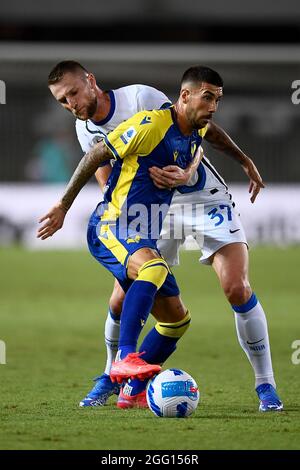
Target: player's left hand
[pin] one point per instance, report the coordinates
(169, 177)
(55, 220)
(256, 182)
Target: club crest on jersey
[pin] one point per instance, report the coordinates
(175, 155)
(146, 120)
(128, 135)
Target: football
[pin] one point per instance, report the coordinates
(172, 394)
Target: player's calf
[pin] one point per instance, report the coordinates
(138, 303)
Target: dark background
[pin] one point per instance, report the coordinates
(254, 45)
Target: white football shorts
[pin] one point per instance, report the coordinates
(212, 220)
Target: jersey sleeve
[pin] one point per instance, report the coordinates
(86, 143)
(150, 98)
(131, 137)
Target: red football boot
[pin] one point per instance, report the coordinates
(132, 367)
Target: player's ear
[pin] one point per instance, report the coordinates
(185, 94)
(92, 80)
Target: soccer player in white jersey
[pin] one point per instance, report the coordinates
(224, 245)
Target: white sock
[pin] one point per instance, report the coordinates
(252, 332)
(111, 335)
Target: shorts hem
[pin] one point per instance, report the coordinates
(207, 261)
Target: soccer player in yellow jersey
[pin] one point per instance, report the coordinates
(159, 138)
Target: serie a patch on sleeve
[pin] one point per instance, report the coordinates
(128, 135)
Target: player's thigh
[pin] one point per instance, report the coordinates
(231, 264)
(222, 226)
(138, 258)
(168, 309)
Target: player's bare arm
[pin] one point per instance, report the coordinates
(221, 141)
(172, 176)
(102, 174)
(85, 169)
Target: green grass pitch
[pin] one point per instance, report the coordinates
(52, 308)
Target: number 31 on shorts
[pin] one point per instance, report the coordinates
(216, 214)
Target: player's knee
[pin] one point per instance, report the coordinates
(116, 300)
(115, 306)
(175, 329)
(238, 293)
(155, 271)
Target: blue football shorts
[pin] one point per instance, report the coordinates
(113, 252)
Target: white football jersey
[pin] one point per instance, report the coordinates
(125, 102)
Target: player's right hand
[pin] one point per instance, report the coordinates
(256, 182)
(169, 177)
(55, 220)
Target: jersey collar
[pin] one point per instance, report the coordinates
(195, 132)
(111, 111)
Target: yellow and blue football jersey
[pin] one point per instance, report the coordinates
(131, 215)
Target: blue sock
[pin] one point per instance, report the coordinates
(137, 385)
(136, 308)
(157, 347)
(246, 306)
(157, 350)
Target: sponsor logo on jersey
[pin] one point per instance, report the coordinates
(128, 135)
(233, 231)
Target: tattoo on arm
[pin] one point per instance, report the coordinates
(85, 169)
(221, 141)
